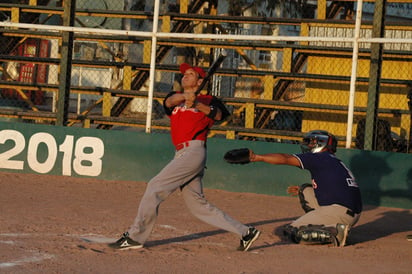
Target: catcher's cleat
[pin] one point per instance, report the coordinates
(342, 234)
(125, 243)
(248, 239)
(409, 237)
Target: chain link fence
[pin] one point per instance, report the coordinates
(289, 69)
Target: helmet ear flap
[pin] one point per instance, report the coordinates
(332, 143)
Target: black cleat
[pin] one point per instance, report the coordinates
(248, 239)
(125, 243)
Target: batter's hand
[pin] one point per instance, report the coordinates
(190, 98)
(293, 190)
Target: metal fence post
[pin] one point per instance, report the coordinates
(65, 64)
(375, 76)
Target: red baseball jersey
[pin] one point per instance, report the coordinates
(189, 123)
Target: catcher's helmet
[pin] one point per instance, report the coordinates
(316, 140)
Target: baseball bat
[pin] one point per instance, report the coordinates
(212, 69)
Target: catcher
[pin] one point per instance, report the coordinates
(332, 202)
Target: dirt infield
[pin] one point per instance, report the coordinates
(55, 224)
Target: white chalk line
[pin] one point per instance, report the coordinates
(36, 256)
(31, 259)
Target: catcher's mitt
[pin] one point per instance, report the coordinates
(238, 156)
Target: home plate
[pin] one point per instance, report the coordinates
(96, 243)
(92, 238)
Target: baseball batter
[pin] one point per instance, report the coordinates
(332, 202)
(191, 117)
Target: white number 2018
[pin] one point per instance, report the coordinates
(88, 153)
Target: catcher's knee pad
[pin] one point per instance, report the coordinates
(290, 233)
(315, 234)
(303, 202)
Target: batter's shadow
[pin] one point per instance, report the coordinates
(390, 222)
(193, 236)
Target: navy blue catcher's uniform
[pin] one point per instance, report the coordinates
(334, 196)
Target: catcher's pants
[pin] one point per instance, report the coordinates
(328, 216)
(185, 171)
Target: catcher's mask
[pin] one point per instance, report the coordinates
(317, 140)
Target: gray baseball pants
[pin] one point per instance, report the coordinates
(185, 171)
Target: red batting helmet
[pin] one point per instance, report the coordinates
(185, 66)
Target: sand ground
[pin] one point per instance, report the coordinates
(56, 224)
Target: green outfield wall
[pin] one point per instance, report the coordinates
(385, 178)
